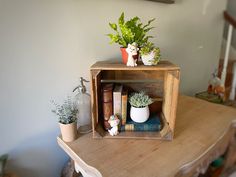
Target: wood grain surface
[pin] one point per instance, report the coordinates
(203, 131)
(115, 65)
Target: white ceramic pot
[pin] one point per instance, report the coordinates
(139, 115)
(148, 59)
(69, 131)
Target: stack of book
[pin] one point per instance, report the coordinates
(115, 99)
(153, 124)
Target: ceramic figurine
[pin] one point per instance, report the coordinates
(132, 49)
(215, 86)
(114, 122)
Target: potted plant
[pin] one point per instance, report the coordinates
(3, 161)
(67, 119)
(128, 32)
(139, 111)
(150, 54)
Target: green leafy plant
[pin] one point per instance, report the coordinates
(66, 112)
(3, 161)
(127, 32)
(140, 100)
(148, 48)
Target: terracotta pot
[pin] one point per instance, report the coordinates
(69, 131)
(125, 55)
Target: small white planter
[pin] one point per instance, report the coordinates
(148, 59)
(139, 115)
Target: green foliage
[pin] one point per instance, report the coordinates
(148, 48)
(3, 161)
(127, 32)
(66, 112)
(140, 100)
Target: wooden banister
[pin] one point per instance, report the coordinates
(230, 19)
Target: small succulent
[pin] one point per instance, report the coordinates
(66, 112)
(148, 48)
(140, 100)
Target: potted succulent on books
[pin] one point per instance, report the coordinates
(139, 111)
(150, 54)
(129, 32)
(67, 119)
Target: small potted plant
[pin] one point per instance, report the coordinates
(67, 119)
(129, 32)
(139, 111)
(150, 54)
(3, 161)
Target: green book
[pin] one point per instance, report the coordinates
(152, 124)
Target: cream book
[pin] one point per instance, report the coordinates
(117, 104)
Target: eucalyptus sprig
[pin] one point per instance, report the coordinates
(133, 30)
(140, 100)
(66, 112)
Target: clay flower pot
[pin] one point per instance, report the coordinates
(69, 131)
(125, 55)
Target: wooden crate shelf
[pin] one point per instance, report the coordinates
(161, 82)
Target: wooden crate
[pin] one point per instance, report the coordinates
(161, 82)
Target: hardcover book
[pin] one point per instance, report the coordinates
(152, 124)
(117, 100)
(124, 100)
(107, 103)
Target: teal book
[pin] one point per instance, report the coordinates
(152, 124)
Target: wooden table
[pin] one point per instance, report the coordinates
(204, 131)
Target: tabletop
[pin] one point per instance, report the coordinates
(203, 130)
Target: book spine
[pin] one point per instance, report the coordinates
(142, 128)
(107, 104)
(124, 100)
(117, 103)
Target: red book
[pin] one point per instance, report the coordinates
(107, 104)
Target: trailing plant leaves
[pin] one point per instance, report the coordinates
(130, 31)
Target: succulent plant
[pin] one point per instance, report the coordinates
(148, 48)
(66, 112)
(140, 100)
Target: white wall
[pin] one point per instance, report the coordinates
(46, 45)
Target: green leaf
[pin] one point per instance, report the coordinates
(113, 26)
(149, 22)
(148, 29)
(121, 19)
